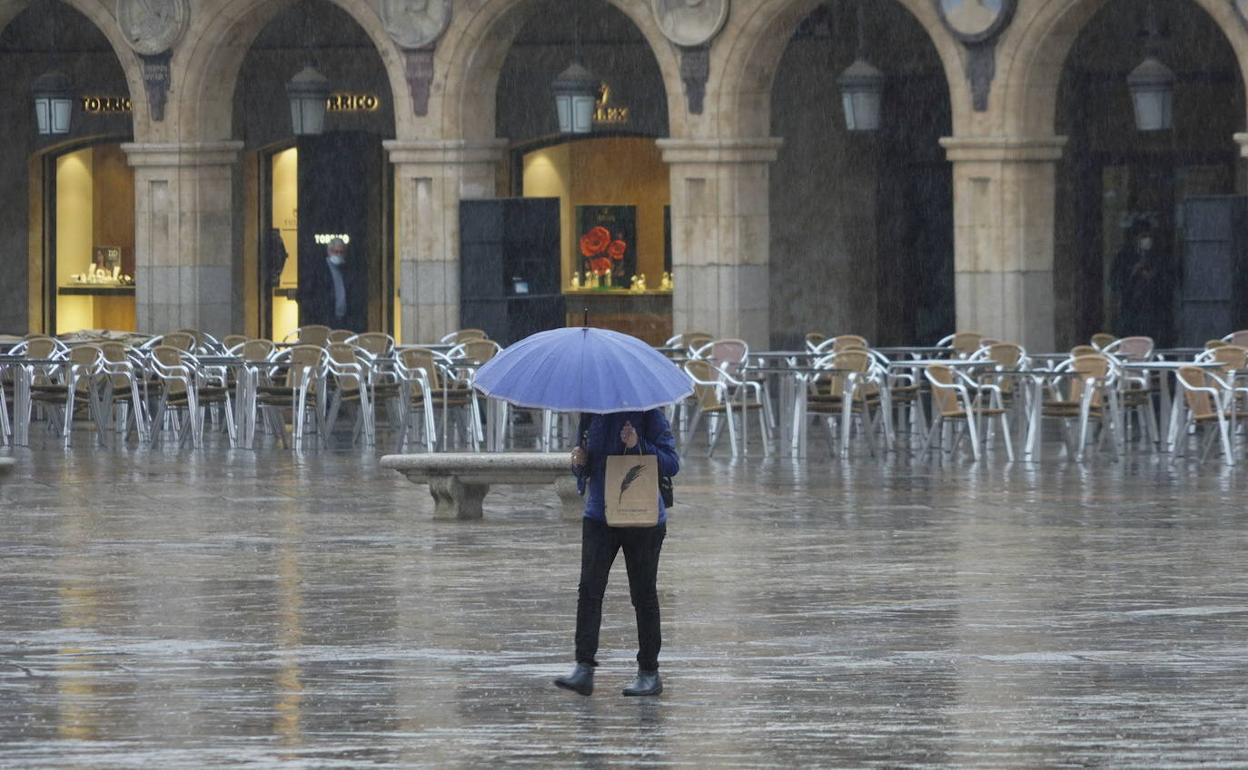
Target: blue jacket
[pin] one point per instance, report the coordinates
(654, 437)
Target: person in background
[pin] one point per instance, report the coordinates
(603, 435)
(1144, 283)
(329, 295)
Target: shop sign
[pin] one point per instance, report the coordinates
(606, 113)
(353, 103)
(105, 105)
(323, 239)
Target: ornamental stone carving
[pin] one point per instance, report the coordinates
(977, 25)
(414, 24)
(152, 27)
(690, 23)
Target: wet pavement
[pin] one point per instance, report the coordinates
(165, 609)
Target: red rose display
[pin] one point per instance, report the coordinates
(594, 241)
(600, 265)
(617, 249)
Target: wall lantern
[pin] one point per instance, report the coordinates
(308, 90)
(576, 95)
(862, 88)
(1152, 86)
(862, 91)
(54, 103)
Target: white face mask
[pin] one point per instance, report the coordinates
(336, 259)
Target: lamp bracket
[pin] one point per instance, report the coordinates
(695, 69)
(156, 80)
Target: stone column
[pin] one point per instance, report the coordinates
(431, 178)
(184, 239)
(1004, 206)
(721, 236)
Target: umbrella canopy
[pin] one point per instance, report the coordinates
(583, 370)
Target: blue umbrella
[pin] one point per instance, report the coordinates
(583, 370)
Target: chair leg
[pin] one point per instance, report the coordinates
(937, 425)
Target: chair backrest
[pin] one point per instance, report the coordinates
(849, 342)
(1239, 338)
(464, 335)
(89, 356)
(255, 351)
(1102, 340)
(1136, 349)
(304, 360)
(1005, 354)
(966, 343)
(1201, 403)
(1083, 350)
(167, 362)
(1095, 366)
(704, 375)
(944, 399)
(376, 343)
(117, 353)
(730, 355)
(204, 342)
(180, 340)
(340, 335)
(231, 341)
(312, 334)
(422, 358)
(694, 341)
(477, 351)
(1211, 344)
(338, 354)
(42, 347)
(842, 366)
(814, 340)
(1231, 357)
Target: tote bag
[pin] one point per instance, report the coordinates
(632, 490)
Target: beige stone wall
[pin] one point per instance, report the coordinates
(1002, 158)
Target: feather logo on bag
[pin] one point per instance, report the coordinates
(629, 478)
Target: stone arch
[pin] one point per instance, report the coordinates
(211, 56)
(100, 14)
(471, 55)
(1041, 37)
(748, 57)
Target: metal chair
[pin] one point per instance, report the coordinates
(295, 382)
(952, 400)
(349, 370)
(188, 388)
(1208, 400)
(1088, 393)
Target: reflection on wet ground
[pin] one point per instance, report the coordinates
(225, 609)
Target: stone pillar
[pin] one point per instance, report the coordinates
(1004, 206)
(431, 178)
(721, 236)
(184, 238)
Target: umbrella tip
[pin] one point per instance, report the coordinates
(585, 317)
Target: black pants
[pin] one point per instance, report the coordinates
(599, 544)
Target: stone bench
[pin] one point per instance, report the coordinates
(458, 482)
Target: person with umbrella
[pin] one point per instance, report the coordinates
(618, 383)
(617, 434)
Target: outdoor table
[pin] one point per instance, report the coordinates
(913, 350)
(23, 377)
(793, 403)
(1178, 352)
(1171, 407)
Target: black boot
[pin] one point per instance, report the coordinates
(581, 680)
(646, 683)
